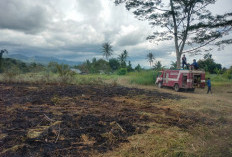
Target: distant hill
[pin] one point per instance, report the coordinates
(40, 59)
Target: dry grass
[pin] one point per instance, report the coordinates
(211, 136)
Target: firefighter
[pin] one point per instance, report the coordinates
(195, 65)
(209, 86)
(184, 61)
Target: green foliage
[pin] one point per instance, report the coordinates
(181, 21)
(209, 65)
(218, 71)
(138, 68)
(129, 67)
(114, 64)
(158, 66)
(96, 66)
(143, 77)
(52, 67)
(122, 58)
(221, 79)
(63, 69)
(107, 50)
(64, 72)
(9, 63)
(228, 73)
(122, 71)
(173, 65)
(150, 58)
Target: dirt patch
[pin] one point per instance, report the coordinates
(39, 120)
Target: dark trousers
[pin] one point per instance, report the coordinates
(184, 63)
(209, 89)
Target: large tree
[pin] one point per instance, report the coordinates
(188, 23)
(107, 50)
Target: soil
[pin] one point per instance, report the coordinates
(52, 120)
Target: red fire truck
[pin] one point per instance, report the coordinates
(181, 79)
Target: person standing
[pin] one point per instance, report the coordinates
(209, 86)
(184, 61)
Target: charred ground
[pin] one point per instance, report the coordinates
(50, 120)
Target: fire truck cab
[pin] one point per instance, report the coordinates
(181, 79)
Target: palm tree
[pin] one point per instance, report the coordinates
(125, 54)
(150, 58)
(107, 50)
(1, 54)
(173, 65)
(122, 58)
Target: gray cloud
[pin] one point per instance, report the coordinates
(90, 10)
(22, 16)
(76, 29)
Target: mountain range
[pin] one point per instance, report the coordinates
(40, 59)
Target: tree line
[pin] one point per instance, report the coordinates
(119, 65)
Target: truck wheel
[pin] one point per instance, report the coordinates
(160, 85)
(176, 88)
(192, 89)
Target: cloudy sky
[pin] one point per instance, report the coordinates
(75, 30)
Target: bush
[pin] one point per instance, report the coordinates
(11, 73)
(122, 71)
(64, 72)
(227, 75)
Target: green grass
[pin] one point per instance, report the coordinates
(218, 80)
(143, 77)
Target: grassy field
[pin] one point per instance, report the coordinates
(203, 122)
(210, 135)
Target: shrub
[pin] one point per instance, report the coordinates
(64, 72)
(11, 73)
(122, 71)
(227, 75)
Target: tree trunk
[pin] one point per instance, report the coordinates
(178, 53)
(178, 56)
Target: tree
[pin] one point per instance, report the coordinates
(96, 66)
(187, 22)
(173, 65)
(122, 58)
(138, 68)
(1, 54)
(114, 64)
(129, 67)
(150, 58)
(208, 64)
(125, 53)
(158, 65)
(107, 50)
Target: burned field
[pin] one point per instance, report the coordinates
(49, 120)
